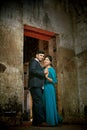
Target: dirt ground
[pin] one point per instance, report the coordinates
(27, 126)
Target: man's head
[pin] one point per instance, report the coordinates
(40, 55)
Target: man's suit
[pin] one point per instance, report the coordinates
(36, 82)
(36, 74)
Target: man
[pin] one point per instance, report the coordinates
(36, 82)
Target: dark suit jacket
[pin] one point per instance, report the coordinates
(36, 74)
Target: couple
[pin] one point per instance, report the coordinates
(41, 86)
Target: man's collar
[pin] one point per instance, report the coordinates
(36, 59)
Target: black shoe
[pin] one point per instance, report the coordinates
(44, 124)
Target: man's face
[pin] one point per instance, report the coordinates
(40, 57)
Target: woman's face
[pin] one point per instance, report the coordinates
(47, 61)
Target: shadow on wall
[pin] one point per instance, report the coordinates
(2, 68)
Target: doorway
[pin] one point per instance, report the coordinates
(35, 39)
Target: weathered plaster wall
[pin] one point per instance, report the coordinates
(11, 57)
(80, 34)
(74, 74)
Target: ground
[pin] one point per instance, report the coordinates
(27, 126)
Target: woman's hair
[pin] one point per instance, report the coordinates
(49, 57)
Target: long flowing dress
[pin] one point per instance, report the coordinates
(49, 98)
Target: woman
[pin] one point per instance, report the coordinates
(49, 94)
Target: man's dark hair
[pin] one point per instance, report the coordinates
(40, 52)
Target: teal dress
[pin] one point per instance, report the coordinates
(49, 99)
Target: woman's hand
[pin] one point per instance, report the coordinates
(46, 75)
(46, 71)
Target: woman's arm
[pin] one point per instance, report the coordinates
(49, 79)
(46, 75)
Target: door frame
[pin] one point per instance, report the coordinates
(41, 34)
(38, 33)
